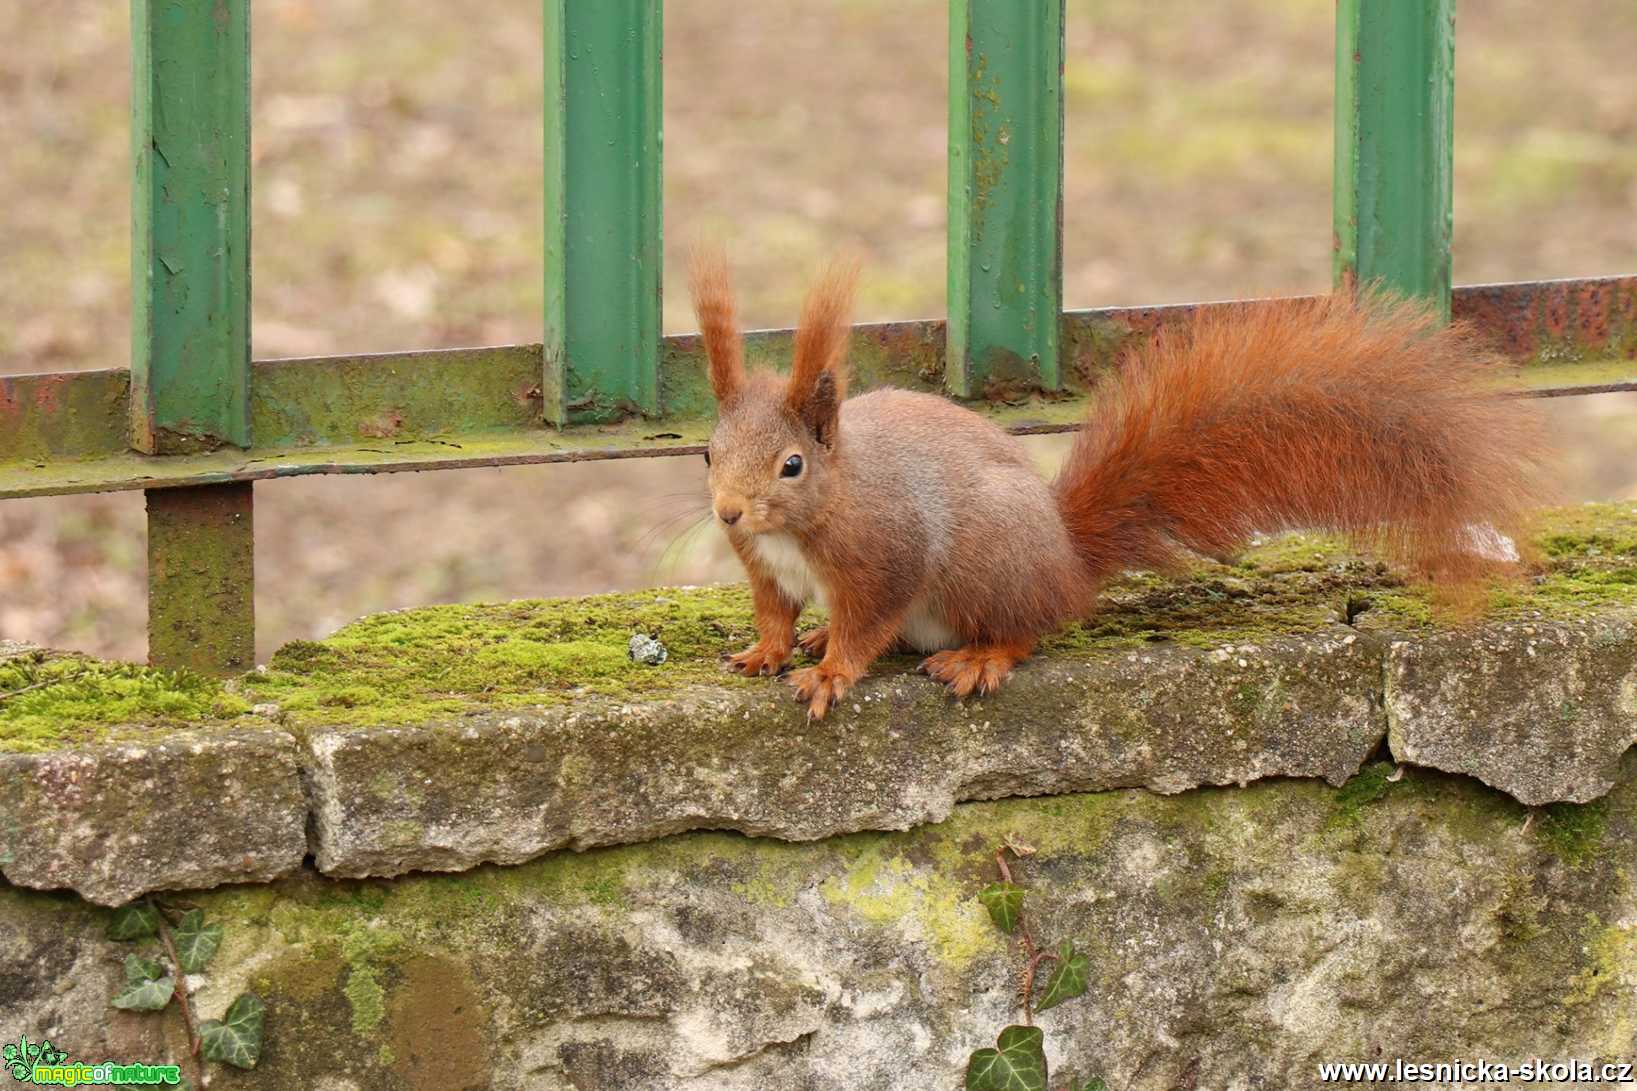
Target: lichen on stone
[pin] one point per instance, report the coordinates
(1247, 924)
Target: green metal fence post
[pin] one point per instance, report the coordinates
(201, 606)
(1005, 194)
(190, 345)
(603, 212)
(1395, 109)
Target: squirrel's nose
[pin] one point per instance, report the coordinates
(729, 516)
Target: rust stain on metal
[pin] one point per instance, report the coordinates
(48, 393)
(1554, 318)
(184, 440)
(1593, 302)
(385, 426)
(1554, 313)
(68, 433)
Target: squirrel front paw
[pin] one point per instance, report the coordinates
(819, 687)
(760, 658)
(815, 641)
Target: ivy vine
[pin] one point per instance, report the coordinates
(186, 944)
(1017, 1060)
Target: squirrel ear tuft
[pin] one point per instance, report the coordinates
(822, 335)
(712, 289)
(821, 412)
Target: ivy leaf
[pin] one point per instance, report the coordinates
(1068, 977)
(1018, 1065)
(235, 1039)
(145, 995)
(1005, 904)
(1093, 1083)
(196, 941)
(139, 969)
(138, 920)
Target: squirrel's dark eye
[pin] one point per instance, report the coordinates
(792, 467)
(707, 458)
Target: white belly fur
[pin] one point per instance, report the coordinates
(926, 633)
(782, 556)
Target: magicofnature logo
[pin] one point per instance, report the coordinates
(42, 1063)
(22, 1055)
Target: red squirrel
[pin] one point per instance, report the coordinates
(919, 523)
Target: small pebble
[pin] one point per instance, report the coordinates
(645, 649)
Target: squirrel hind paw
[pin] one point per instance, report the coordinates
(976, 668)
(815, 641)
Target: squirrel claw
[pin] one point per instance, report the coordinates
(818, 688)
(758, 659)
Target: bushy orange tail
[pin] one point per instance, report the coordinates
(1366, 418)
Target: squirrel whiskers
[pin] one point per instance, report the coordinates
(920, 524)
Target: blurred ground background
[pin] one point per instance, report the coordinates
(397, 205)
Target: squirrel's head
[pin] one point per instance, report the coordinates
(772, 456)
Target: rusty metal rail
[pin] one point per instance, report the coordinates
(455, 408)
(194, 422)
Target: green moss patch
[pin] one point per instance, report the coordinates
(441, 662)
(1371, 785)
(1583, 558)
(48, 700)
(1574, 830)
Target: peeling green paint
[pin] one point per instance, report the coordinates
(1005, 198)
(190, 213)
(1394, 162)
(603, 248)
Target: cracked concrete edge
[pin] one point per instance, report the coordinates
(1545, 711)
(194, 810)
(504, 788)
